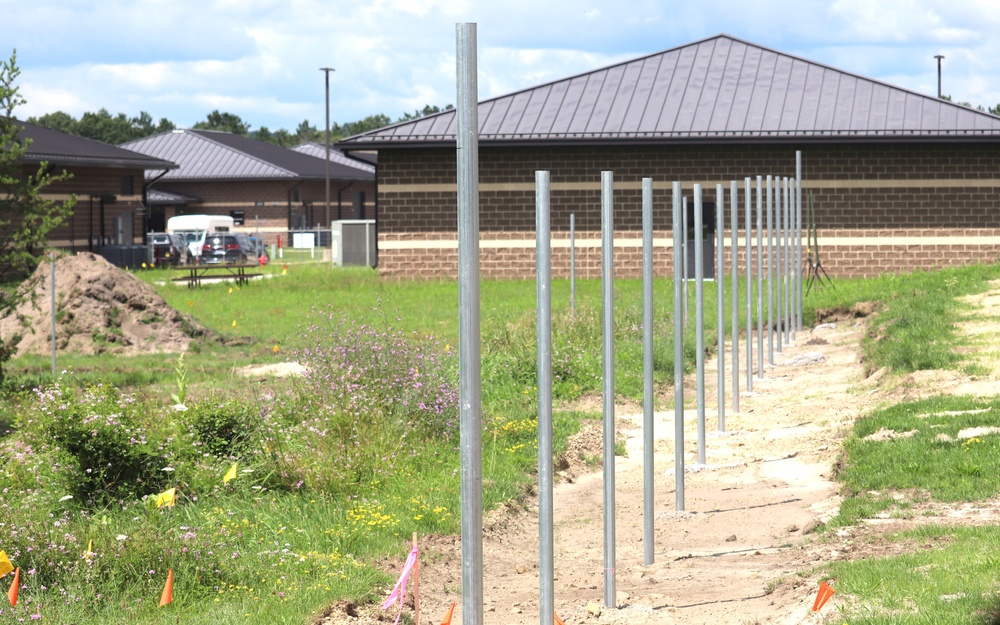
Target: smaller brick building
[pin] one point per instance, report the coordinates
(270, 189)
(107, 181)
(901, 180)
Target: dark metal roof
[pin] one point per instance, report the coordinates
(65, 150)
(720, 89)
(318, 150)
(205, 155)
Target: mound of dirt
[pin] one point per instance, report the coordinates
(99, 309)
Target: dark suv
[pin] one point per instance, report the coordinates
(226, 248)
(168, 249)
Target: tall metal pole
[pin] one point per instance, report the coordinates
(939, 57)
(684, 218)
(779, 267)
(770, 271)
(678, 349)
(327, 70)
(608, 309)
(470, 384)
(798, 233)
(749, 286)
(786, 311)
(52, 292)
(572, 264)
(648, 511)
(699, 320)
(543, 272)
(734, 248)
(760, 281)
(720, 301)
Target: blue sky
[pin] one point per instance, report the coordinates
(260, 59)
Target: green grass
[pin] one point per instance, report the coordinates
(950, 577)
(915, 326)
(347, 531)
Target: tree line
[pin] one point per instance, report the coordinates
(120, 128)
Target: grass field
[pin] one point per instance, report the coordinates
(312, 508)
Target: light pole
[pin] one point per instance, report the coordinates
(939, 57)
(327, 70)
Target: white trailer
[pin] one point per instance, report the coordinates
(196, 228)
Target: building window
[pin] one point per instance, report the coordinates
(128, 185)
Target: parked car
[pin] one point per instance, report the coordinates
(260, 249)
(226, 248)
(168, 249)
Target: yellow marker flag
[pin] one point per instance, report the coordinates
(166, 498)
(5, 565)
(230, 474)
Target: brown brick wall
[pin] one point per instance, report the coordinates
(89, 184)
(864, 210)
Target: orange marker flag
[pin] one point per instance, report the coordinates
(14, 587)
(559, 621)
(824, 594)
(451, 612)
(5, 565)
(167, 596)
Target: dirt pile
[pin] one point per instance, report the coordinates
(99, 309)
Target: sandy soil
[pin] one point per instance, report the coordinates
(99, 309)
(742, 551)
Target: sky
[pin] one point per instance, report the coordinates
(260, 59)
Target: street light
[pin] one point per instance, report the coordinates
(939, 57)
(327, 70)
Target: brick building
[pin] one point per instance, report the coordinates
(106, 180)
(270, 189)
(900, 180)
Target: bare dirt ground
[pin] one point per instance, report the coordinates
(743, 551)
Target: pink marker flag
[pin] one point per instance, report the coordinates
(399, 590)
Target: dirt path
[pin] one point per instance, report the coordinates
(738, 551)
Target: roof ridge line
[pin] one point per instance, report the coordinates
(197, 131)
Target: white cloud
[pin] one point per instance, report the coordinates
(260, 59)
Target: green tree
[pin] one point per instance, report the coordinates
(226, 122)
(63, 122)
(26, 218)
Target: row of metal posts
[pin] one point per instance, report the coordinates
(789, 276)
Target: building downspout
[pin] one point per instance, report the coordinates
(340, 191)
(290, 228)
(376, 215)
(145, 206)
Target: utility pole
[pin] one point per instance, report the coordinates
(327, 70)
(939, 57)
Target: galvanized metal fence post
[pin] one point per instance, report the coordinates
(470, 384)
(684, 245)
(699, 321)
(543, 296)
(748, 233)
(678, 351)
(798, 232)
(608, 309)
(788, 262)
(720, 301)
(648, 440)
(770, 271)
(734, 298)
(779, 308)
(52, 292)
(572, 265)
(760, 282)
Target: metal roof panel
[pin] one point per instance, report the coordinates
(714, 89)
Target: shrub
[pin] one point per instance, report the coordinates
(99, 433)
(224, 429)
